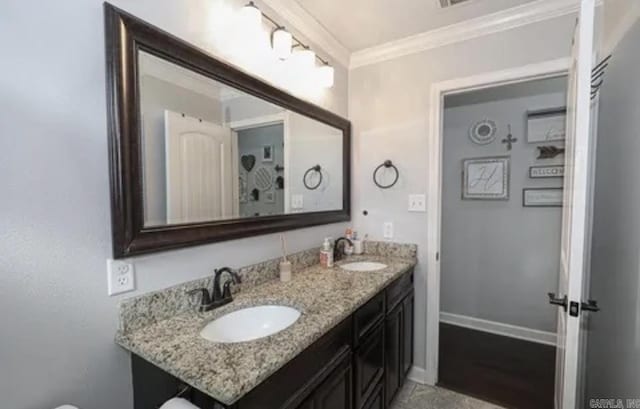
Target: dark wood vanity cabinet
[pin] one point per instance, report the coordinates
(359, 364)
(398, 336)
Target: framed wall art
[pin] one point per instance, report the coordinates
(547, 125)
(485, 178)
(542, 197)
(550, 171)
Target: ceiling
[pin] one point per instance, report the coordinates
(359, 24)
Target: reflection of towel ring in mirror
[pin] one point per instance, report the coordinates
(386, 164)
(317, 169)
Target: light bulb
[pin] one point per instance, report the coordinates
(281, 41)
(304, 59)
(326, 75)
(251, 16)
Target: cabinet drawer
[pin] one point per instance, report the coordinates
(369, 365)
(367, 317)
(397, 290)
(297, 379)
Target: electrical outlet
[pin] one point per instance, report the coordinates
(417, 203)
(120, 276)
(388, 230)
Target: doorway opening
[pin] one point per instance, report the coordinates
(500, 245)
(487, 171)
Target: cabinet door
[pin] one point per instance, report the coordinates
(407, 334)
(369, 365)
(376, 401)
(307, 404)
(393, 352)
(336, 391)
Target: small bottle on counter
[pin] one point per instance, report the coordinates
(326, 253)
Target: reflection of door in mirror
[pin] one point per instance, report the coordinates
(198, 164)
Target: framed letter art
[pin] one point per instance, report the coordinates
(485, 178)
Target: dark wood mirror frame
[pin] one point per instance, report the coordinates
(125, 35)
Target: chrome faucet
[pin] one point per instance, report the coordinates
(336, 252)
(220, 295)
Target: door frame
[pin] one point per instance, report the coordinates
(547, 69)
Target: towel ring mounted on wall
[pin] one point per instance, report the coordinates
(318, 170)
(386, 164)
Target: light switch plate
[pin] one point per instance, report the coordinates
(297, 201)
(388, 230)
(120, 276)
(418, 203)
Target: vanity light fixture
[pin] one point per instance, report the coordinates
(326, 75)
(251, 15)
(281, 41)
(303, 58)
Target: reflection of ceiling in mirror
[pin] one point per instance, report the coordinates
(153, 66)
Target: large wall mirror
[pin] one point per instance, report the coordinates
(202, 152)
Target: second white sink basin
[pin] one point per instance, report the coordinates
(250, 323)
(363, 266)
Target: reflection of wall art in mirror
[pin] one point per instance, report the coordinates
(270, 197)
(279, 182)
(547, 125)
(483, 132)
(248, 162)
(542, 197)
(267, 153)
(485, 178)
(243, 190)
(551, 171)
(255, 195)
(263, 178)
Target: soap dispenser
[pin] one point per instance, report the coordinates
(326, 253)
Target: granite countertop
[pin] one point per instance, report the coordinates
(227, 372)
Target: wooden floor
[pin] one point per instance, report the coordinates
(507, 371)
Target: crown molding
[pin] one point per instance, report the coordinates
(508, 19)
(300, 19)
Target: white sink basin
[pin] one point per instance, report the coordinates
(363, 266)
(251, 323)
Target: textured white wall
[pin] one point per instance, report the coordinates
(57, 322)
(388, 105)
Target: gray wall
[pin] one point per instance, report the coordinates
(57, 321)
(250, 142)
(613, 348)
(499, 259)
(389, 108)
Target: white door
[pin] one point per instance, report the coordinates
(576, 209)
(198, 169)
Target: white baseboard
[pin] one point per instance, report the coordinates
(418, 375)
(498, 328)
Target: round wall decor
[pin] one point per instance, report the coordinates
(483, 132)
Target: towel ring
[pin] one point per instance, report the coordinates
(386, 164)
(317, 169)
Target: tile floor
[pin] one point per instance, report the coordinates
(416, 396)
